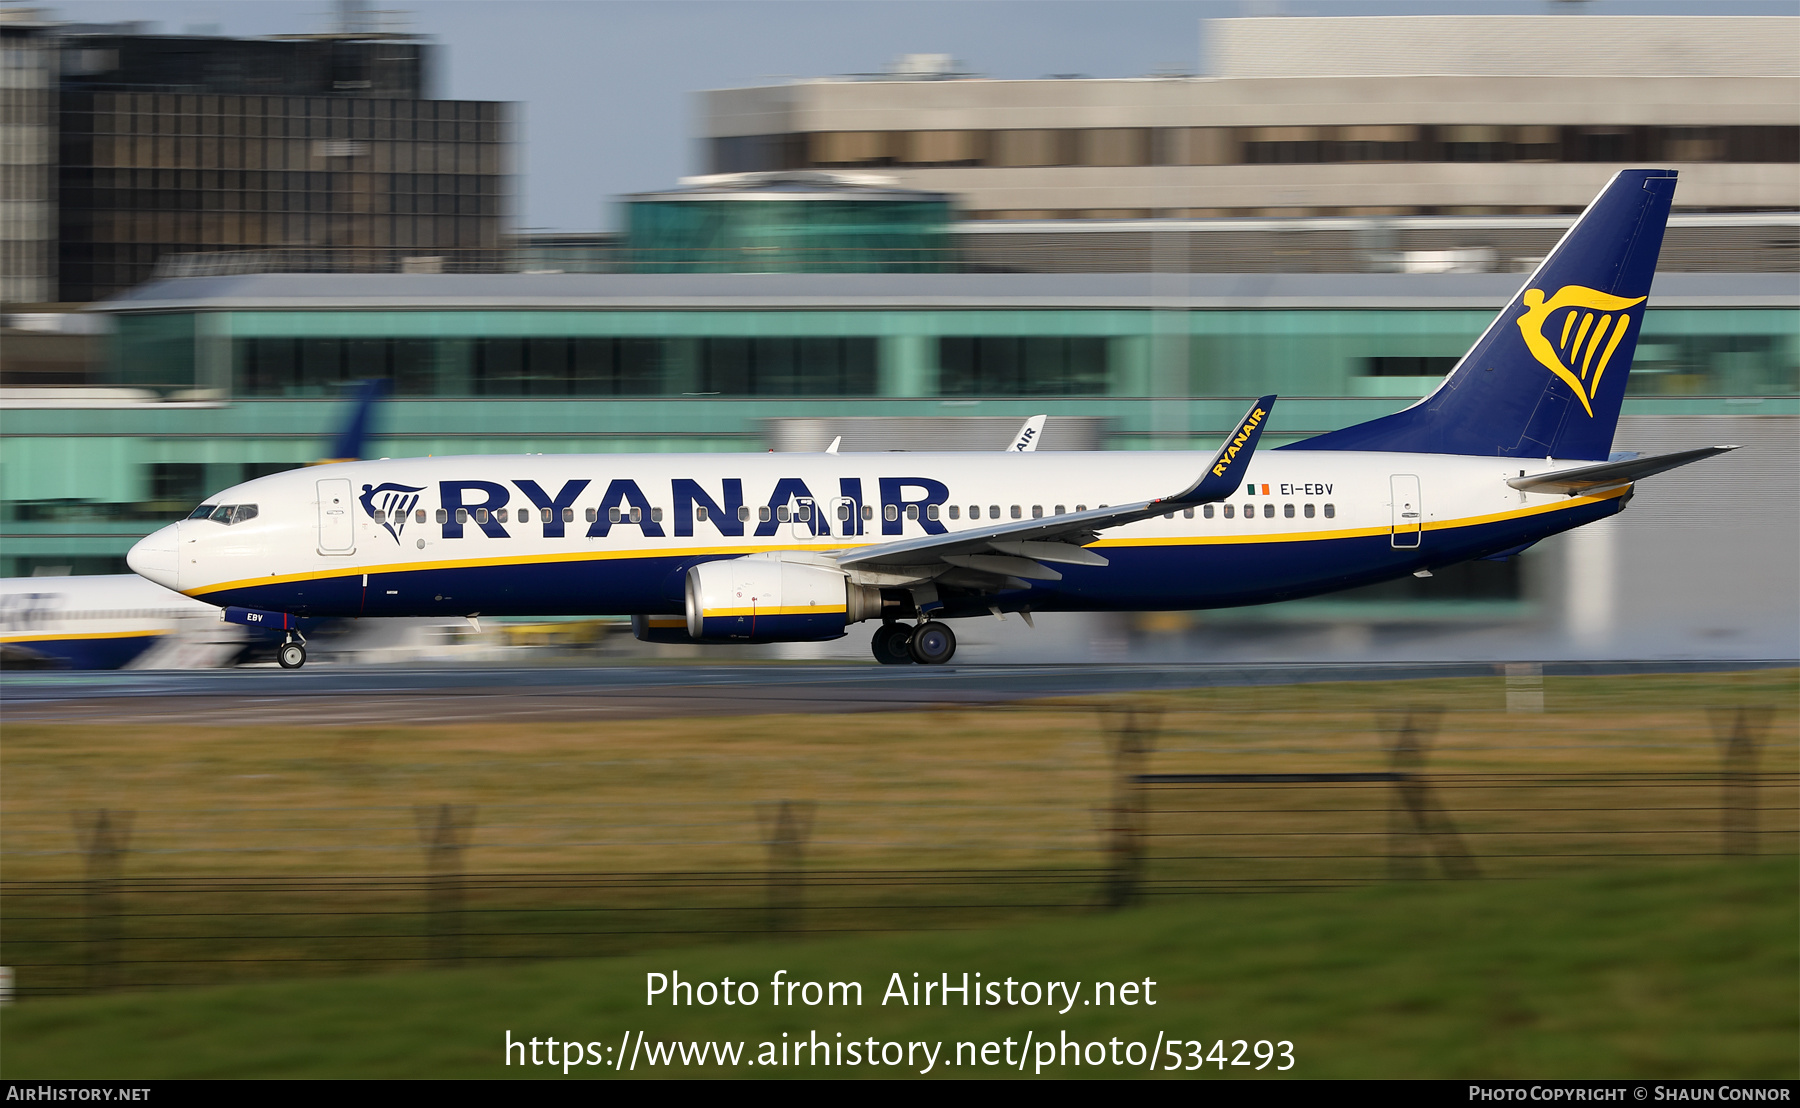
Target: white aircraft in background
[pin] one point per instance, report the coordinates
(1513, 446)
(111, 621)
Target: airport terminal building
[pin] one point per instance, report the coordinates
(217, 379)
(1140, 306)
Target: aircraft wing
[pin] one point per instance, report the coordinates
(1608, 474)
(1017, 548)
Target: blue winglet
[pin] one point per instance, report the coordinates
(1226, 472)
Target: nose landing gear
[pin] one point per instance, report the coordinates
(292, 654)
(896, 644)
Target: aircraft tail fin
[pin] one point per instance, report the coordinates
(351, 441)
(1547, 377)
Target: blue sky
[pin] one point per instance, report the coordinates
(606, 88)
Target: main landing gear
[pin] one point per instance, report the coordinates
(292, 654)
(930, 644)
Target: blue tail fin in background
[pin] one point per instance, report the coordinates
(349, 444)
(1547, 378)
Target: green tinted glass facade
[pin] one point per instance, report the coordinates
(790, 236)
(1684, 352)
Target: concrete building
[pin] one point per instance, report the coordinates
(1447, 115)
(133, 147)
(28, 66)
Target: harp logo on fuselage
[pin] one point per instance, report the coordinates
(1593, 324)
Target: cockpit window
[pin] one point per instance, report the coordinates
(227, 514)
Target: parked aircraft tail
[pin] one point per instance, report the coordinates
(349, 444)
(1547, 377)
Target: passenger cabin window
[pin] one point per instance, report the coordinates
(637, 515)
(743, 513)
(1287, 510)
(700, 512)
(762, 514)
(1307, 511)
(1187, 513)
(993, 511)
(613, 515)
(462, 515)
(1016, 514)
(1037, 511)
(955, 511)
(443, 515)
(656, 515)
(890, 513)
(594, 513)
(781, 514)
(931, 511)
(912, 511)
(1230, 511)
(1081, 507)
(1268, 511)
(500, 514)
(1059, 509)
(1330, 512)
(481, 515)
(843, 513)
(421, 515)
(1206, 510)
(868, 511)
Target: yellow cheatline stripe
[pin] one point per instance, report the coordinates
(1360, 532)
(801, 610)
(516, 560)
(715, 551)
(83, 635)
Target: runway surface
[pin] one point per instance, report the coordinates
(350, 695)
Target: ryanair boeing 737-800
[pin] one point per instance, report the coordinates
(1513, 446)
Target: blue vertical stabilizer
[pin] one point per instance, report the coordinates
(351, 441)
(1547, 377)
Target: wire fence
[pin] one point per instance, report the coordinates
(1119, 804)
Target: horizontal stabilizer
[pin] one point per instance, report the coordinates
(1609, 474)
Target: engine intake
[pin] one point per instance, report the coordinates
(769, 600)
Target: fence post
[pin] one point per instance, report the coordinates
(1739, 732)
(445, 832)
(103, 835)
(787, 826)
(1132, 730)
(1417, 823)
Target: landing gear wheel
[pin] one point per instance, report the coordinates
(891, 644)
(933, 644)
(292, 655)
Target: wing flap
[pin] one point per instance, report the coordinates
(1004, 565)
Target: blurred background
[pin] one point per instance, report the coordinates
(606, 228)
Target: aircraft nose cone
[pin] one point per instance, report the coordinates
(154, 557)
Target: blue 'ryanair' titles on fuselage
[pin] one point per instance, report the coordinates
(494, 506)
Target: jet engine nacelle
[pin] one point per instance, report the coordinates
(769, 600)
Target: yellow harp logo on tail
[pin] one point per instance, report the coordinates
(1591, 327)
